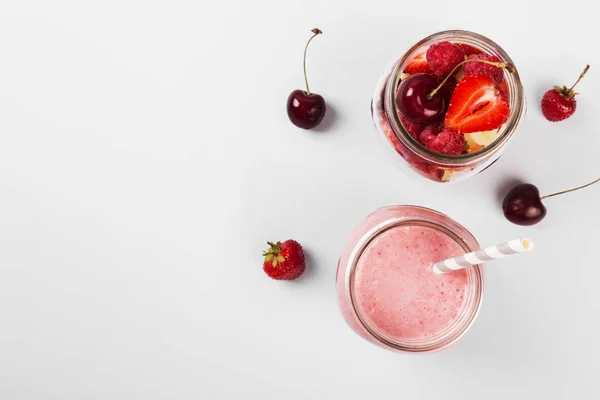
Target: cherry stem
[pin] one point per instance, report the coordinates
(508, 66)
(580, 76)
(570, 190)
(316, 32)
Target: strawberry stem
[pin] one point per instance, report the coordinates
(508, 66)
(580, 76)
(274, 249)
(316, 32)
(273, 255)
(570, 190)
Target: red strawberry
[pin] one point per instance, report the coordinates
(443, 141)
(412, 128)
(477, 105)
(478, 68)
(417, 64)
(284, 261)
(443, 57)
(468, 49)
(559, 103)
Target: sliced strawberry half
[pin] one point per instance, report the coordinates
(418, 64)
(477, 104)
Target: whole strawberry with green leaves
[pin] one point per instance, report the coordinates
(284, 261)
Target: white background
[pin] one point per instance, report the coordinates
(146, 157)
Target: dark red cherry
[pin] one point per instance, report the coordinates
(415, 103)
(305, 110)
(523, 205)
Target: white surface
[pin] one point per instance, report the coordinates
(146, 157)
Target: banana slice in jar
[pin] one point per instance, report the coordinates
(478, 140)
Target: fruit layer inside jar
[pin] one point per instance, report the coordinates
(472, 99)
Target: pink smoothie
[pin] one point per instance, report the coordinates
(397, 292)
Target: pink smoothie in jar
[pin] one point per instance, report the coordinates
(388, 292)
(398, 292)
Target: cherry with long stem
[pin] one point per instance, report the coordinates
(523, 203)
(305, 109)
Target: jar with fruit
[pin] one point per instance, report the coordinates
(449, 105)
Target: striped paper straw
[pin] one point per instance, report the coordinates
(478, 256)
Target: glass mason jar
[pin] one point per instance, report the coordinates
(351, 300)
(407, 151)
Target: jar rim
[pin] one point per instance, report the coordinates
(516, 99)
(455, 330)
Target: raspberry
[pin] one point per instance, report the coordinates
(444, 56)
(412, 128)
(477, 68)
(468, 49)
(442, 140)
(430, 131)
